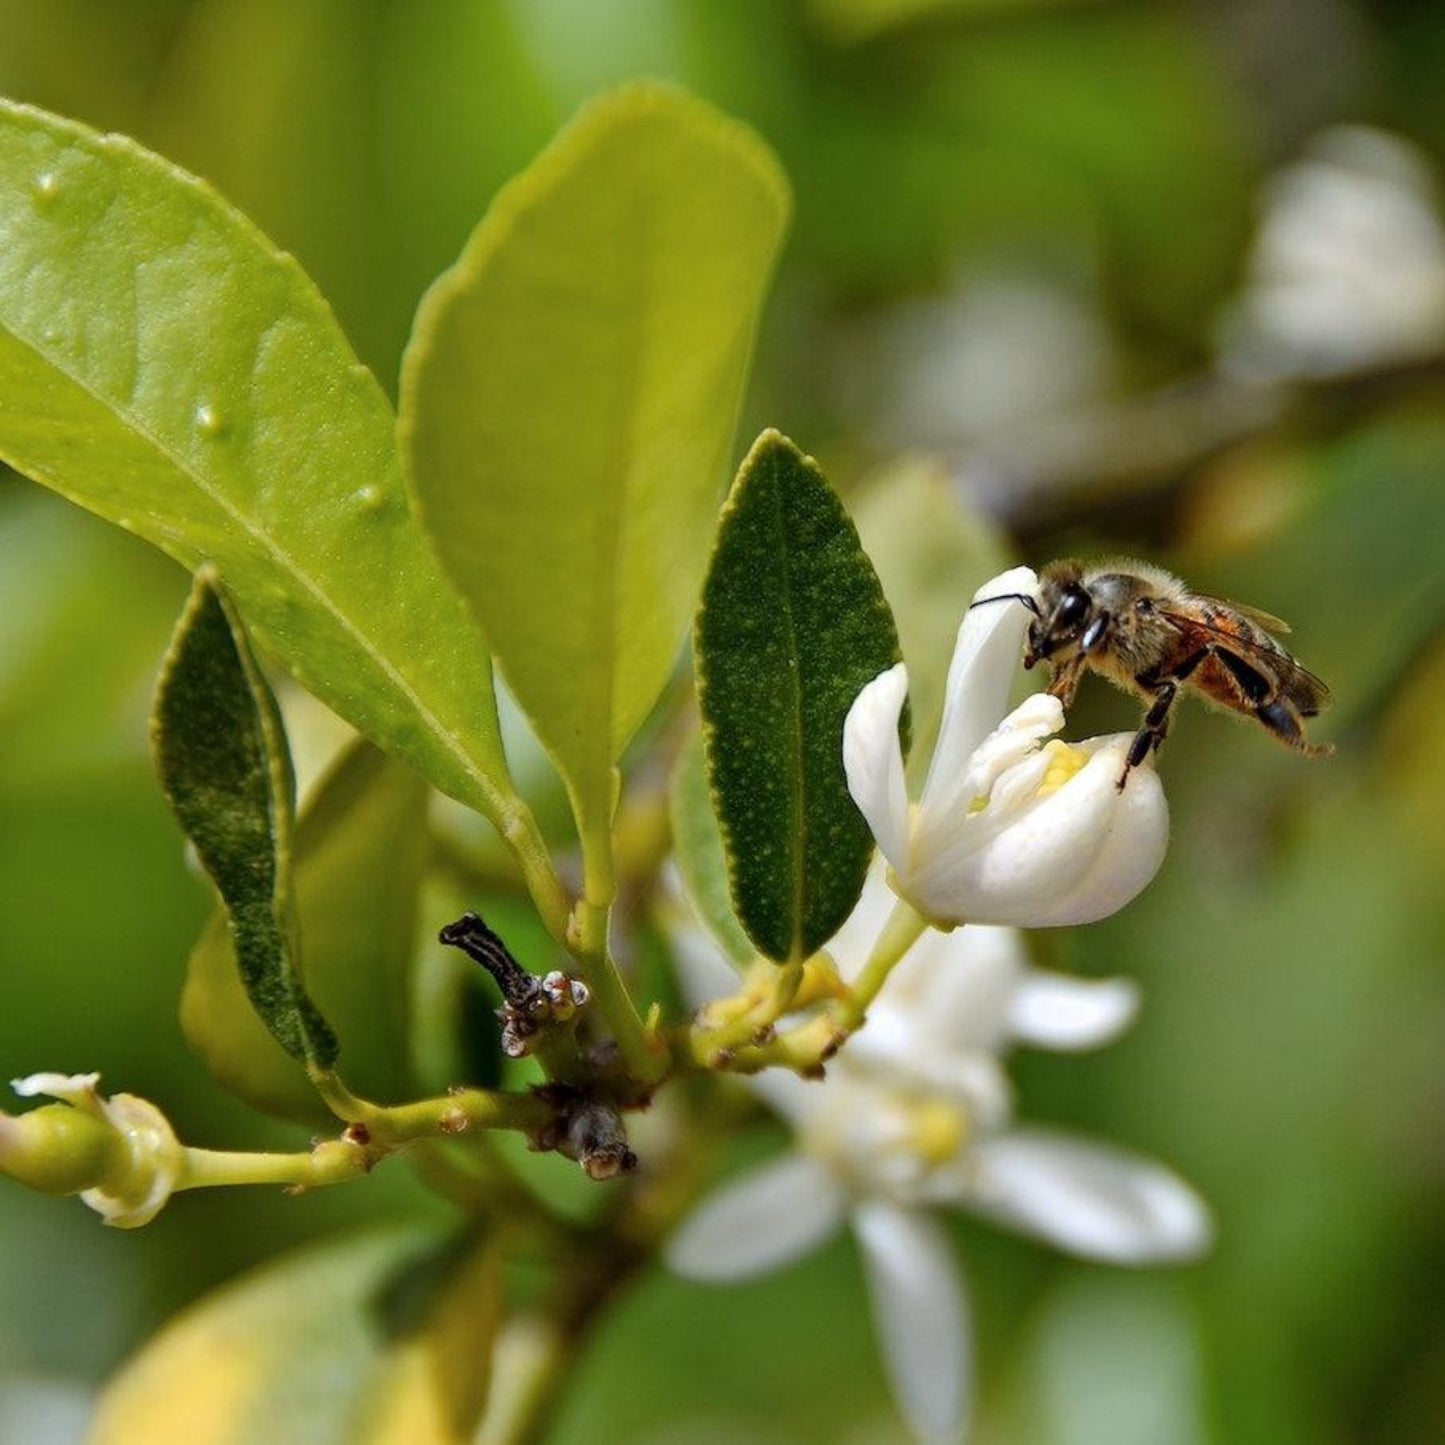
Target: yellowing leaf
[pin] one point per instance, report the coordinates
(569, 400)
(379, 1340)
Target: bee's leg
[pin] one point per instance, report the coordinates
(1152, 730)
(1155, 726)
(1064, 680)
(1282, 720)
(1274, 711)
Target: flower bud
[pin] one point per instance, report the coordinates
(119, 1154)
(58, 1150)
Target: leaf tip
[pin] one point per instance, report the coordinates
(650, 101)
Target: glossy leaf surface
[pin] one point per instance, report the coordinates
(163, 365)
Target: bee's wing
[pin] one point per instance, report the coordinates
(1301, 687)
(1257, 615)
(1307, 692)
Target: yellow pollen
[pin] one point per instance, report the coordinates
(937, 1131)
(1064, 762)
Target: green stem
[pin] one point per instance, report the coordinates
(520, 833)
(747, 1018)
(391, 1125)
(804, 1049)
(376, 1131)
(334, 1161)
(590, 946)
(538, 1351)
(904, 928)
(807, 1048)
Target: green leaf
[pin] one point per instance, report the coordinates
(221, 754)
(697, 846)
(569, 399)
(793, 624)
(163, 365)
(361, 848)
(381, 1339)
(931, 557)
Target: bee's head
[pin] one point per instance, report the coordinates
(1064, 611)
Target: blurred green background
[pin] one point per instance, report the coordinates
(1156, 278)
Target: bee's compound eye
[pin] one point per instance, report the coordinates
(1073, 605)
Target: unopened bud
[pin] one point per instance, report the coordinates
(120, 1154)
(59, 1150)
(564, 995)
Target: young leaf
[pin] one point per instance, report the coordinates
(382, 1339)
(164, 366)
(221, 754)
(793, 623)
(701, 860)
(361, 846)
(568, 402)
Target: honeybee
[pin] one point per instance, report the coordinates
(1148, 634)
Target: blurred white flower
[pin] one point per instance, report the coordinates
(976, 365)
(916, 1112)
(1007, 831)
(1348, 267)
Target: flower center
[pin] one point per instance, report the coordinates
(890, 1140)
(938, 1129)
(1064, 761)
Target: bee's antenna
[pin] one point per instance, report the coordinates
(1029, 602)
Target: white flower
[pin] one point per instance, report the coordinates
(959, 1000)
(1007, 831)
(916, 1112)
(1348, 268)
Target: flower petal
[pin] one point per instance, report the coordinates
(985, 658)
(1014, 739)
(873, 761)
(1054, 1011)
(890, 1052)
(1125, 860)
(1091, 1200)
(1072, 856)
(77, 1089)
(921, 1316)
(768, 1218)
(796, 1099)
(957, 987)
